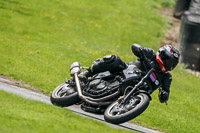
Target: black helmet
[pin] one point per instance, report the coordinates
(167, 58)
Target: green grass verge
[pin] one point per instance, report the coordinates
(181, 115)
(40, 39)
(19, 115)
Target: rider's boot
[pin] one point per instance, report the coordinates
(72, 82)
(83, 78)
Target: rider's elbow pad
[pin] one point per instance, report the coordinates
(136, 49)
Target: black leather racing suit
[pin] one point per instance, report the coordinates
(166, 78)
(114, 64)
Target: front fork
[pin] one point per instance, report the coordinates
(124, 99)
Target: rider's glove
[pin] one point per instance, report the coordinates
(163, 96)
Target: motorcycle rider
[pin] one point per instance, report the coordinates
(165, 60)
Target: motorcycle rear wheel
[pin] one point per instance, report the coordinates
(64, 95)
(118, 114)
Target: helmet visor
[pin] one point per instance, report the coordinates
(170, 64)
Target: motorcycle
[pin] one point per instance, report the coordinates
(120, 96)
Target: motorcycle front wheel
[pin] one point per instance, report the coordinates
(64, 95)
(118, 113)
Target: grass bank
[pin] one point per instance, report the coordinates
(40, 39)
(20, 115)
(181, 115)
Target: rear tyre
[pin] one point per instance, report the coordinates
(64, 95)
(118, 114)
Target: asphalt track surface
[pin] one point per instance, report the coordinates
(10, 87)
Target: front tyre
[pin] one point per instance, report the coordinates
(64, 95)
(118, 113)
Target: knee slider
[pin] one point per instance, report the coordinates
(95, 65)
(109, 58)
(114, 62)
